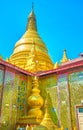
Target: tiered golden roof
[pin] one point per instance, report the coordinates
(31, 42)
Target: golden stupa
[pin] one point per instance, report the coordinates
(47, 120)
(30, 52)
(35, 101)
(64, 58)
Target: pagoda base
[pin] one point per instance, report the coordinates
(27, 120)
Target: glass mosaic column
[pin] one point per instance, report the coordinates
(21, 100)
(1, 88)
(76, 93)
(63, 102)
(7, 101)
(49, 85)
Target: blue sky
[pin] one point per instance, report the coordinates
(59, 22)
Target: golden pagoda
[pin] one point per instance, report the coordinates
(35, 101)
(47, 120)
(35, 104)
(30, 52)
(44, 100)
(64, 58)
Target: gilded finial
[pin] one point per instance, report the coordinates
(1, 57)
(7, 59)
(64, 58)
(47, 120)
(32, 20)
(56, 65)
(32, 6)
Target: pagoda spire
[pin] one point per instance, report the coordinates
(56, 65)
(64, 58)
(32, 6)
(32, 20)
(47, 121)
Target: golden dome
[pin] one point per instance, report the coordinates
(36, 112)
(22, 55)
(35, 100)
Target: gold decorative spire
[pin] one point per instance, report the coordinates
(32, 6)
(7, 59)
(22, 54)
(1, 57)
(47, 121)
(32, 20)
(56, 65)
(64, 58)
(35, 101)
